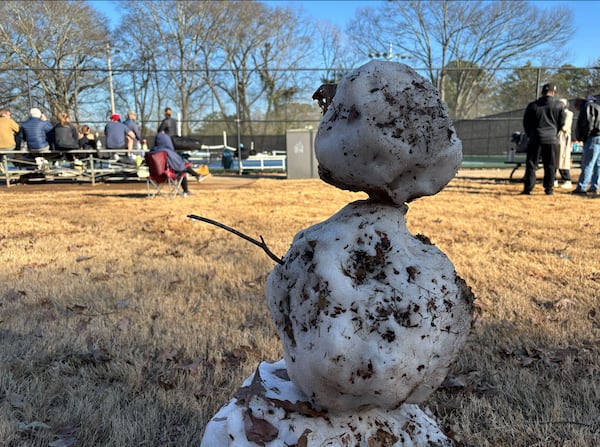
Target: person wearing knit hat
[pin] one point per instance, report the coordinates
(588, 131)
(35, 132)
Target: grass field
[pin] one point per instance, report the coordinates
(123, 323)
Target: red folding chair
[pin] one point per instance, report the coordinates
(161, 174)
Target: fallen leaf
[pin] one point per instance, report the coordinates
(303, 439)
(193, 367)
(298, 407)
(63, 442)
(256, 388)
(14, 294)
(383, 438)
(77, 308)
(258, 430)
(171, 355)
(67, 429)
(16, 400)
(174, 252)
(35, 425)
(99, 354)
(165, 383)
(124, 324)
(282, 374)
(122, 304)
(453, 383)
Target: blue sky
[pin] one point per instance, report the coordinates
(584, 49)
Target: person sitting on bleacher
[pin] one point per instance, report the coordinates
(35, 132)
(118, 135)
(66, 137)
(87, 139)
(9, 129)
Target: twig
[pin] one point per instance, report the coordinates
(261, 244)
(566, 422)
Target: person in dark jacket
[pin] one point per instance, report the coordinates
(87, 139)
(588, 131)
(37, 133)
(164, 143)
(66, 137)
(542, 120)
(168, 125)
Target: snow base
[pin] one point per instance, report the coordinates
(269, 410)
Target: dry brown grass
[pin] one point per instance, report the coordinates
(122, 323)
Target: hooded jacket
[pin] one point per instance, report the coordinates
(163, 143)
(543, 119)
(588, 121)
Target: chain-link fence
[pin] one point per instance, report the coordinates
(486, 105)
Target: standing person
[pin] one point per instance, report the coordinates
(9, 129)
(66, 137)
(132, 124)
(541, 121)
(164, 143)
(168, 125)
(588, 130)
(118, 135)
(35, 132)
(563, 156)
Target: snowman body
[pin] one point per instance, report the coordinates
(368, 314)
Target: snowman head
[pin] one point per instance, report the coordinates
(387, 133)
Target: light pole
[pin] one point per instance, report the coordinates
(389, 55)
(237, 118)
(110, 81)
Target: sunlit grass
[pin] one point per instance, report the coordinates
(123, 323)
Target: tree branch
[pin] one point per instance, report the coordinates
(261, 244)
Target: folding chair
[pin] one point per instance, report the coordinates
(161, 174)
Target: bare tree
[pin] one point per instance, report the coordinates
(476, 34)
(57, 62)
(176, 37)
(261, 50)
(335, 52)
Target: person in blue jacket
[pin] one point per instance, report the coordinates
(164, 143)
(36, 132)
(118, 135)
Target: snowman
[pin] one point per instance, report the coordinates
(370, 316)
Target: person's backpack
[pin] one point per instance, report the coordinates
(520, 142)
(593, 118)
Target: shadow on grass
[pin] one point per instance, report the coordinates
(130, 195)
